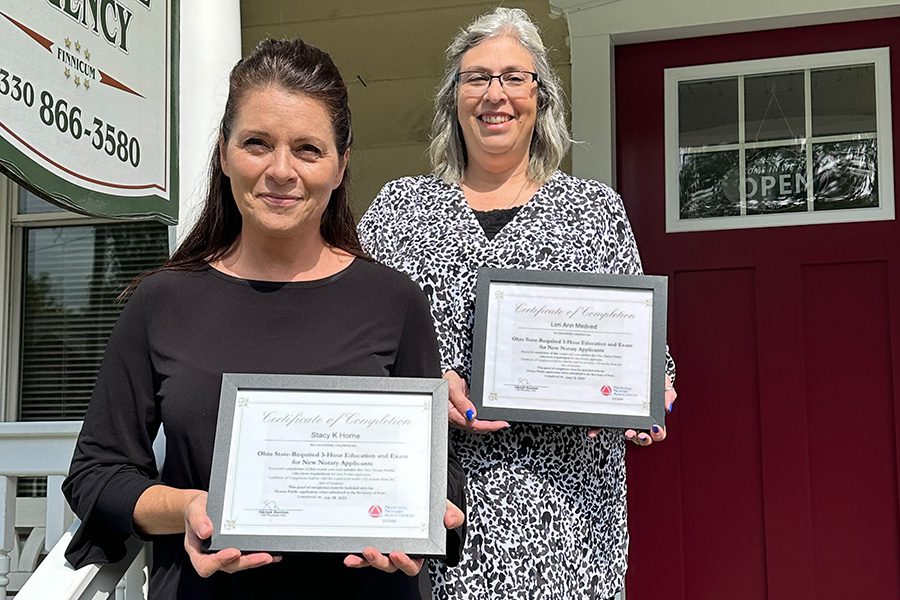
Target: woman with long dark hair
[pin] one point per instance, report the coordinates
(271, 279)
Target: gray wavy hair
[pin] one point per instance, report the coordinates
(550, 141)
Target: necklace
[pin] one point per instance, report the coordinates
(516, 199)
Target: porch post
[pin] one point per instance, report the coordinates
(593, 108)
(593, 89)
(210, 45)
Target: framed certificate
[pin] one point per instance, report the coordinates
(570, 348)
(306, 463)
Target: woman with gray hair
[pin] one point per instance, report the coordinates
(546, 503)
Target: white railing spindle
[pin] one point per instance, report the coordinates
(7, 529)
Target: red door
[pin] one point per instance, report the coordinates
(780, 476)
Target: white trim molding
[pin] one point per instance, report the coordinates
(6, 202)
(637, 21)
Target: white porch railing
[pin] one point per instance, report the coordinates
(55, 578)
(30, 528)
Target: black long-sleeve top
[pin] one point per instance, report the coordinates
(163, 365)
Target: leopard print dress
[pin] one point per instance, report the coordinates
(546, 504)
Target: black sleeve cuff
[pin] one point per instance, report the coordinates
(107, 526)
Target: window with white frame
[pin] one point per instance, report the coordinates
(66, 274)
(785, 141)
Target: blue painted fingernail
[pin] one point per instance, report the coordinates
(655, 428)
(670, 408)
(470, 414)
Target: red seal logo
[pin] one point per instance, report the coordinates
(375, 511)
(606, 390)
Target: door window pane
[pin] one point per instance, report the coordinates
(774, 107)
(843, 100)
(710, 184)
(845, 175)
(708, 112)
(776, 180)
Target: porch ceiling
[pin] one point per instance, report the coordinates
(392, 55)
(396, 48)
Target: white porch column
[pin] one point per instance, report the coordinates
(210, 45)
(593, 108)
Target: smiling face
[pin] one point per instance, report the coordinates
(496, 127)
(282, 161)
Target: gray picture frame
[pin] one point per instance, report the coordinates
(232, 383)
(657, 285)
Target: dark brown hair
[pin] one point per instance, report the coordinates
(298, 67)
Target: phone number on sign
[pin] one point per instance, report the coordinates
(56, 112)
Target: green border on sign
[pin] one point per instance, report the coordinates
(30, 175)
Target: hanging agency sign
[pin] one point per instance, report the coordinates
(88, 104)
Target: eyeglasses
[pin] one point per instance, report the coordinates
(514, 83)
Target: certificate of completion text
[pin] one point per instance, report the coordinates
(321, 463)
(568, 348)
